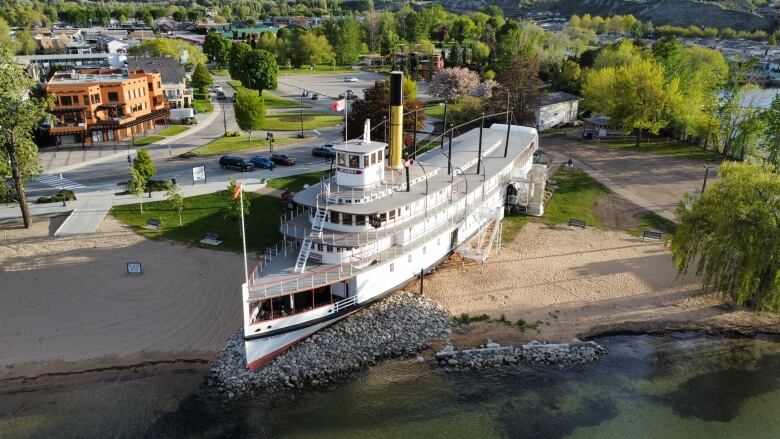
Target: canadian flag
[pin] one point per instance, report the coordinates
(339, 105)
(237, 191)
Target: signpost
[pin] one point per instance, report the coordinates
(198, 174)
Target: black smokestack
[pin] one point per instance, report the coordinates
(396, 88)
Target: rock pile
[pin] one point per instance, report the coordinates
(400, 325)
(494, 355)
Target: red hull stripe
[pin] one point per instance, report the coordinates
(262, 361)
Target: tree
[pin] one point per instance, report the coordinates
(771, 141)
(262, 72)
(622, 54)
(302, 47)
(462, 28)
(452, 83)
(143, 164)
(375, 105)
(568, 78)
(5, 36)
(201, 78)
(233, 207)
(217, 49)
(137, 185)
(236, 65)
(634, 96)
(20, 115)
(480, 52)
(388, 41)
(345, 37)
(519, 78)
(249, 109)
(185, 52)
(175, 198)
(731, 234)
(25, 43)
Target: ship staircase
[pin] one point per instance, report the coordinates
(479, 247)
(320, 214)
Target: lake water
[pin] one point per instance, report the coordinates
(679, 386)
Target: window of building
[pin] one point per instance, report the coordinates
(150, 86)
(75, 100)
(113, 96)
(158, 84)
(86, 99)
(341, 159)
(96, 98)
(354, 161)
(65, 101)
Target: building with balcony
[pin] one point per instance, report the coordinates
(98, 105)
(174, 78)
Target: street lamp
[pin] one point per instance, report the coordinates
(270, 138)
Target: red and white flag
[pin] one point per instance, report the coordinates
(339, 105)
(237, 191)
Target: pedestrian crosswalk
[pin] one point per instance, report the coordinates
(58, 182)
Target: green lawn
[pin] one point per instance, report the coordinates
(673, 148)
(225, 145)
(204, 213)
(217, 72)
(291, 121)
(148, 140)
(437, 111)
(295, 183)
(173, 130)
(271, 101)
(202, 105)
(575, 198)
(317, 70)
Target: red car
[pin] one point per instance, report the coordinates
(282, 159)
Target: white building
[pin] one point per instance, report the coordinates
(556, 109)
(174, 80)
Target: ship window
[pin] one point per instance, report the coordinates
(425, 250)
(348, 220)
(391, 214)
(383, 217)
(330, 249)
(360, 220)
(392, 267)
(438, 241)
(365, 161)
(341, 159)
(354, 161)
(409, 258)
(373, 158)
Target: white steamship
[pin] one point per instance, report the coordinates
(380, 221)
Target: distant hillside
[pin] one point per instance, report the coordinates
(674, 12)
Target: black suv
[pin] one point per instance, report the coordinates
(235, 163)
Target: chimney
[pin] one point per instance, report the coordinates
(395, 160)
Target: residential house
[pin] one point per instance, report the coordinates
(556, 109)
(96, 105)
(174, 79)
(600, 126)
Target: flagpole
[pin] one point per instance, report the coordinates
(243, 232)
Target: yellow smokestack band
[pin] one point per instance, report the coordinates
(396, 141)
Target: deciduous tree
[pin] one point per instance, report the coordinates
(217, 49)
(731, 235)
(20, 115)
(375, 106)
(144, 165)
(249, 109)
(453, 82)
(175, 198)
(137, 185)
(771, 141)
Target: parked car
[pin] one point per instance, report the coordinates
(189, 121)
(261, 162)
(322, 151)
(217, 88)
(282, 159)
(315, 97)
(305, 93)
(220, 95)
(235, 163)
(350, 79)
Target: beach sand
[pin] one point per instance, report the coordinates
(69, 304)
(569, 282)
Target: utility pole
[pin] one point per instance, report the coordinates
(301, 113)
(224, 118)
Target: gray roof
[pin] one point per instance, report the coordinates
(169, 68)
(556, 98)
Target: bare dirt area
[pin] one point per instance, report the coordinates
(566, 283)
(69, 304)
(618, 213)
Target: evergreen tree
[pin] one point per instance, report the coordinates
(201, 78)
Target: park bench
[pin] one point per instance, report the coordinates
(652, 234)
(576, 223)
(211, 238)
(153, 222)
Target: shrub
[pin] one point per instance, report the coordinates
(63, 194)
(187, 155)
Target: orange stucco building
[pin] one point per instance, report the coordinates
(98, 105)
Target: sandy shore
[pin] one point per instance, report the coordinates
(69, 304)
(567, 282)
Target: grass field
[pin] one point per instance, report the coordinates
(673, 149)
(202, 105)
(271, 101)
(575, 198)
(224, 145)
(291, 121)
(317, 70)
(204, 213)
(437, 111)
(173, 130)
(295, 183)
(217, 72)
(148, 140)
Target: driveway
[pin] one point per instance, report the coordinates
(659, 179)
